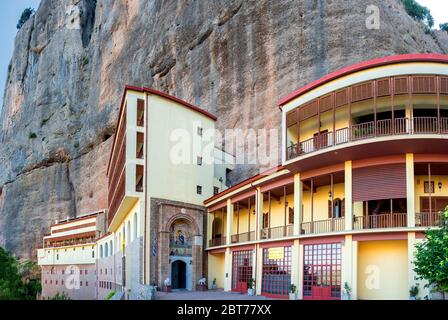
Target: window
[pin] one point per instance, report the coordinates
(80, 272)
(62, 282)
(85, 271)
(80, 283)
(265, 220)
(57, 257)
(428, 188)
(45, 281)
(63, 271)
(199, 189)
(200, 131)
(291, 215)
(199, 161)
(215, 190)
(56, 282)
(93, 254)
(87, 283)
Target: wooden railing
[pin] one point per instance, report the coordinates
(217, 242)
(277, 232)
(380, 221)
(243, 237)
(367, 130)
(426, 219)
(323, 226)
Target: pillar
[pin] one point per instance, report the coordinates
(298, 199)
(300, 273)
(229, 223)
(410, 192)
(348, 183)
(228, 270)
(350, 265)
(259, 266)
(258, 213)
(295, 264)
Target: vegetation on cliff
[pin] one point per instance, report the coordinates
(26, 14)
(18, 280)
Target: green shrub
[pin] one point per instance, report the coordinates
(444, 26)
(60, 296)
(419, 12)
(110, 295)
(26, 14)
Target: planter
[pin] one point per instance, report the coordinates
(292, 296)
(166, 288)
(250, 292)
(201, 287)
(345, 296)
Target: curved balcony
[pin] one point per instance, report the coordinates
(369, 130)
(402, 107)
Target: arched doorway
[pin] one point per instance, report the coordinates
(178, 274)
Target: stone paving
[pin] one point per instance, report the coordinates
(205, 295)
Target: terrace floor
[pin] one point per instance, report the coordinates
(205, 295)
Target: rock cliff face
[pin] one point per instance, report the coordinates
(235, 58)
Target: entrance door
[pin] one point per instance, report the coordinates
(178, 274)
(322, 271)
(241, 270)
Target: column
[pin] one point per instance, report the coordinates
(300, 273)
(229, 224)
(350, 265)
(298, 199)
(259, 266)
(410, 192)
(258, 213)
(228, 270)
(348, 196)
(295, 264)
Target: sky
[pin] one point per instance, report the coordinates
(11, 11)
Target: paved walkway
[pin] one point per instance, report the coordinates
(205, 295)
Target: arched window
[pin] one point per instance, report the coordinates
(101, 251)
(135, 226)
(128, 234)
(106, 250)
(111, 248)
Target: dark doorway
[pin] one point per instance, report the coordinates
(178, 275)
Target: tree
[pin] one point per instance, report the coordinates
(419, 12)
(431, 258)
(26, 14)
(60, 296)
(444, 26)
(18, 281)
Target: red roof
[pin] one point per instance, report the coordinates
(404, 58)
(244, 182)
(161, 94)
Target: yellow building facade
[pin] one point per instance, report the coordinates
(364, 173)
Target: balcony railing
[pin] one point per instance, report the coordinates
(368, 130)
(277, 232)
(323, 226)
(243, 237)
(217, 242)
(426, 219)
(381, 221)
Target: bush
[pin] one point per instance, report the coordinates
(110, 295)
(419, 12)
(60, 296)
(26, 14)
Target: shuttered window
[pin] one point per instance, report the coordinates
(309, 110)
(383, 87)
(341, 98)
(424, 84)
(326, 103)
(401, 85)
(444, 85)
(362, 92)
(379, 182)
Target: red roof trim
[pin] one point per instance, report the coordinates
(243, 183)
(405, 58)
(161, 94)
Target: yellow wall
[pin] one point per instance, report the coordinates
(168, 180)
(419, 188)
(216, 264)
(389, 261)
(278, 210)
(243, 220)
(320, 202)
